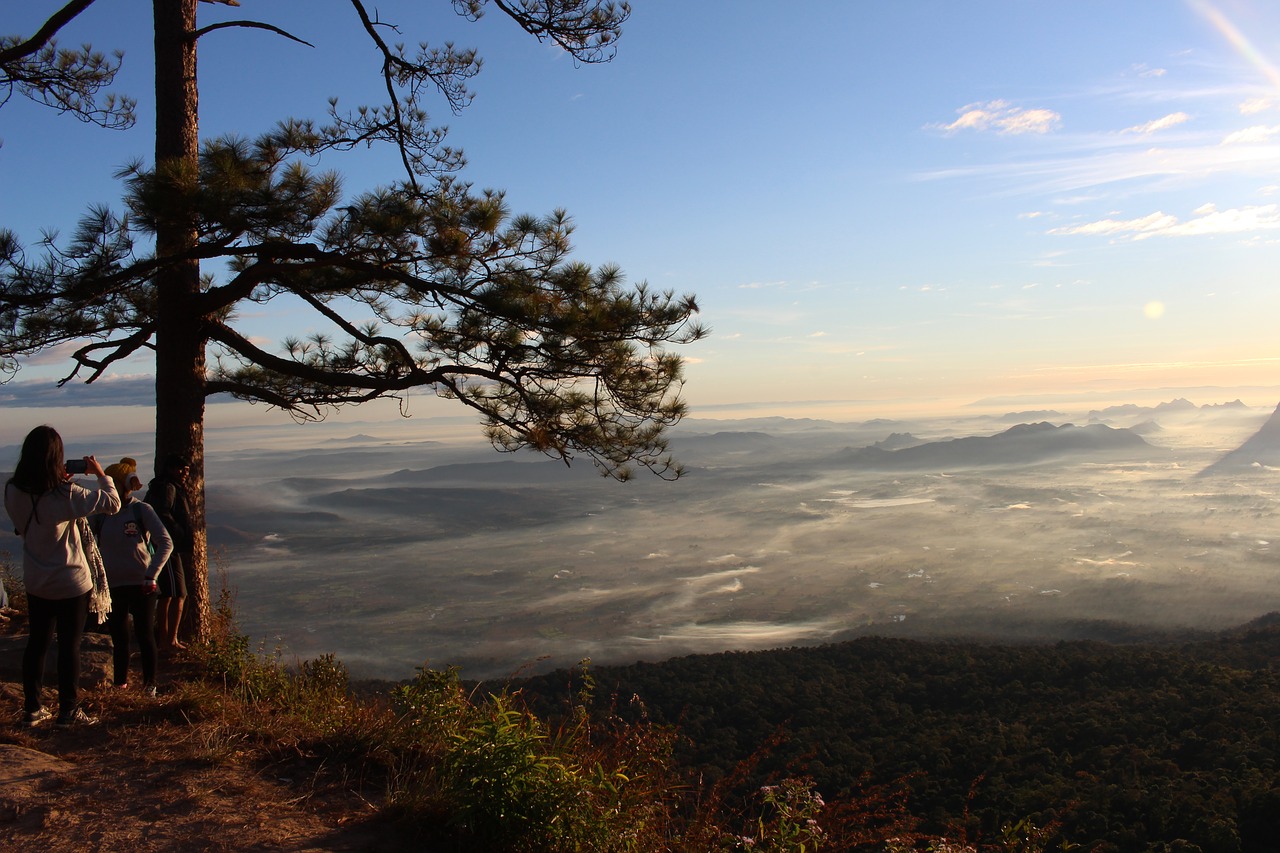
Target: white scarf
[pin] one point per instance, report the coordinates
(100, 595)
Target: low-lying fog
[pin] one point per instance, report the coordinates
(392, 553)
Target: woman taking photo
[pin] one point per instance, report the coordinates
(46, 508)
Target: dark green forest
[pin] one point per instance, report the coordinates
(1163, 745)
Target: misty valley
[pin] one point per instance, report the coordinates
(393, 552)
(1148, 528)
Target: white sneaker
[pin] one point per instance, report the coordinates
(76, 718)
(36, 717)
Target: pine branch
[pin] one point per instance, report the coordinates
(45, 34)
(258, 25)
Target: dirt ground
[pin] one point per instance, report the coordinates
(145, 779)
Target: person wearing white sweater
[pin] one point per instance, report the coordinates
(135, 546)
(47, 509)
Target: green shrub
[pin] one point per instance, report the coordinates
(511, 782)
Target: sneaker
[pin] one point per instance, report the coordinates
(36, 717)
(150, 691)
(76, 718)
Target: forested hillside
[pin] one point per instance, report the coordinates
(1124, 747)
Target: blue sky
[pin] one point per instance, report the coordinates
(893, 205)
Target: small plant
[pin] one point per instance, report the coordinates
(507, 786)
(494, 770)
(1023, 836)
(224, 652)
(511, 782)
(326, 677)
(787, 822)
(11, 576)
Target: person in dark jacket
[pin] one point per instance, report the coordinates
(167, 495)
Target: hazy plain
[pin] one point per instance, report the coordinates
(394, 552)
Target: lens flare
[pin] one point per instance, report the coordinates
(1237, 40)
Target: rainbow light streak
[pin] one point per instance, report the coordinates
(1237, 40)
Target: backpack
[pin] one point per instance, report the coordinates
(99, 520)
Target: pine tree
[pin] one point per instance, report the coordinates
(424, 282)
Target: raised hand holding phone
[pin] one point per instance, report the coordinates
(86, 465)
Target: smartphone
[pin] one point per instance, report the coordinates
(76, 466)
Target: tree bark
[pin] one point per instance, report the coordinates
(180, 332)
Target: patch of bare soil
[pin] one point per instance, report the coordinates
(145, 778)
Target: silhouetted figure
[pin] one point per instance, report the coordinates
(167, 495)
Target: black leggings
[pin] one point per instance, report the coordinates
(129, 601)
(45, 615)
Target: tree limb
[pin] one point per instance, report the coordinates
(350, 328)
(257, 25)
(119, 350)
(45, 34)
(237, 343)
(389, 80)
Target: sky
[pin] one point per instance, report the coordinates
(880, 206)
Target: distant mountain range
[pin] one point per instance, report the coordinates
(1036, 415)
(1260, 451)
(1023, 444)
(1179, 406)
(898, 441)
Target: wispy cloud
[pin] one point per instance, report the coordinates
(1003, 117)
(1171, 120)
(1150, 366)
(1252, 135)
(1089, 167)
(1049, 259)
(108, 391)
(1207, 221)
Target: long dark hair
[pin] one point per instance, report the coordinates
(41, 467)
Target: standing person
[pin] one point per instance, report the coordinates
(46, 509)
(167, 495)
(134, 546)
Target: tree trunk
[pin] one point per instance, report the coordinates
(180, 334)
